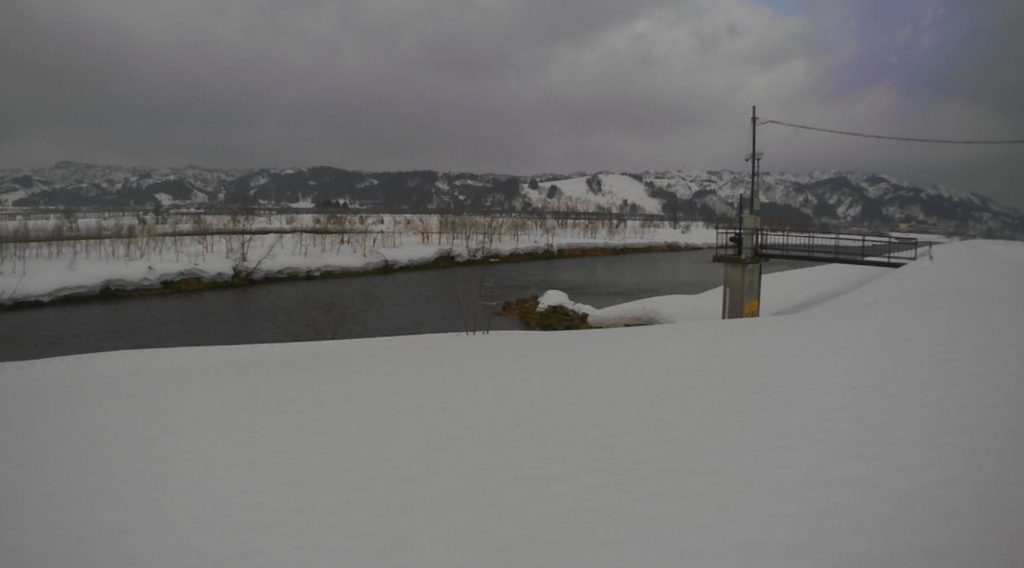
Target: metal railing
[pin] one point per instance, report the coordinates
(842, 248)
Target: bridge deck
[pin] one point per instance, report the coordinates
(867, 250)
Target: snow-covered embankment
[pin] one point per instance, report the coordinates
(45, 271)
(781, 293)
(879, 428)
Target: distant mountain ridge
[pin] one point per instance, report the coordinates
(830, 199)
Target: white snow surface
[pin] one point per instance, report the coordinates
(781, 292)
(882, 427)
(560, 298)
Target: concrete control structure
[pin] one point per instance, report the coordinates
(743, 249)
(741, 296)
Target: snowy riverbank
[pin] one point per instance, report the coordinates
(881, 427)
(44, 271)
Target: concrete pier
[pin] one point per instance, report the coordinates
(742, 295)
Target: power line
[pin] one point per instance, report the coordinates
(895, 138)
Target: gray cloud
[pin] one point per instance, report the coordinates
(497, 85)
(935, 68)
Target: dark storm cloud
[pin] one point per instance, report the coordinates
(498, 85)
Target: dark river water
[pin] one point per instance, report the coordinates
(401, 303)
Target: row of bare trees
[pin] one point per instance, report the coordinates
(430, 227)
(248, 241)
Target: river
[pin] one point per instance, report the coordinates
(400, 303)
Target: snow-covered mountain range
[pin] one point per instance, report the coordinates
(831, 199)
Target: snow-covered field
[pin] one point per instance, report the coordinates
(47, 270)
(879, 427)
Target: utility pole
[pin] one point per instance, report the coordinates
(741, 296)
(753, 158)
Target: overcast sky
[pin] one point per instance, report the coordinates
(515, 86)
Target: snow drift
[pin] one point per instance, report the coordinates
(782, 292)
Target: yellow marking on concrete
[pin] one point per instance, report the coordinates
(752, 309)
